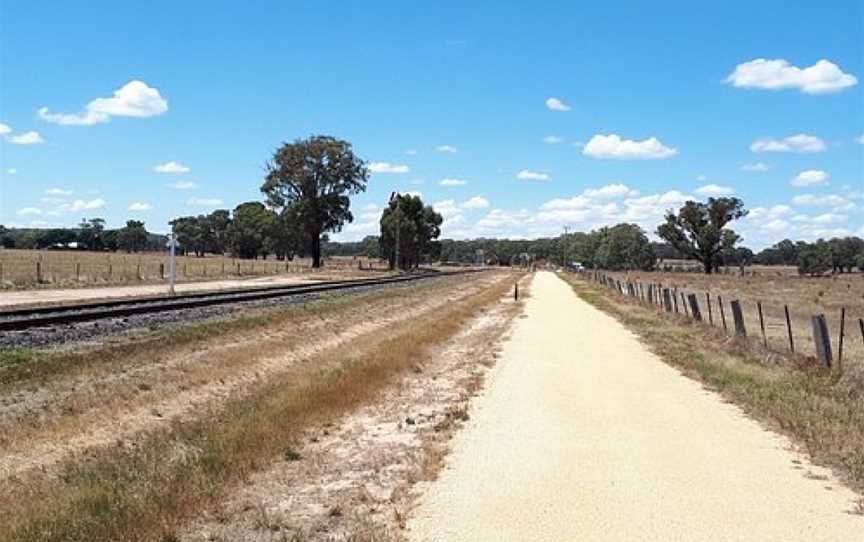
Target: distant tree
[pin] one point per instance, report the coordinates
(315, 177)
(699, 230)
(859, 262)
(109, 240)
(132, 237)
(624, 246)
(250, 225)
(218, 225)
(370, 246)
(740, 256)
(285, 237)
(6, 238)
(845, 252)
(814, 259)
(418, 226)
(90, 233)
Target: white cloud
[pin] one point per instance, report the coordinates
(860, 139)
(411, 152)
(820, 78)
(447, 148)
(204, 202)
(447, 208)
(58, 192)
(140, 206)
(5, 129)
(758, 166)
(553, 139)
(82, 205)
(715, 190)
(701, 178)
(171, 167)
(183, 185)
(11, 171)
(799, 143)
(134, 99)
(613, 147)
(27, 138)
(830, 200)
(386, 167)
(452, 182)
(615, 190)
(29, 211)
(477, 202)
(810, 177)
(503, 221)
(554, 104)
(527, 175)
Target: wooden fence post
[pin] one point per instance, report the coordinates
(77, 271)
(762, 324)
(667, 300)
(162, 271)
(842, 333)
(722, 312)
(675, 299)
(738, 316)
(39, 272)
(708, 302)
(684, 304)
(694, 308)
(822, 340)
(789, 329)
(516, 292)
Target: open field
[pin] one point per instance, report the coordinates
(40, 268)
(803, 296)
(130, 439)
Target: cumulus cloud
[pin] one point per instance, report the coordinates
(810, 177)
(447, 148)
(715, 190)
(386, 167)
(799, 143)
(4, 129)
(477, 202)
(84, 205)
(615, 190)
(821, 78)
(183, 185)
(528, 175)
(171, 167)
(553, 139)
(27, 138)
(140, 206)
(204, 202)
(450, 181)
(613, 147)
(554, 104)
(29, 211)
(58, 192)
(830, 200)
(134, 99)
(758, 166)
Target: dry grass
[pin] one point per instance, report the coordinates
(817, 409)
(148, 491)
(32, 268)
(804, 297)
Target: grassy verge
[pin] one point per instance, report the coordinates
(822, 413)
(26, 366)
(147, 492)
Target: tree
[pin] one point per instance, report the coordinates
(6, 239)
(699, 229)
(314, 178)
(218, 225)
(814, 259)
(844, 252)
(624, 246)
(418, 226)
(90, 233)
(250, 225)
(132, 237)
(285, 236)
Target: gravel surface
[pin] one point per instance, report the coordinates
(94, 331)
(583, 434)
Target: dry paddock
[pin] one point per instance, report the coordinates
(804, 297)
(68, 268)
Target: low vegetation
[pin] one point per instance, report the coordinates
(820, 410)
(146, 492)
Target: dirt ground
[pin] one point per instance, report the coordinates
(45, 421)
(352, 480)
(582, 434)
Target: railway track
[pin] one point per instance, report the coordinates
(22, 319)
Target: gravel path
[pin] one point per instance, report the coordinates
(585, 435)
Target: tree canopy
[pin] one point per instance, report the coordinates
(699, 230)
(312, 180)
(418, 228)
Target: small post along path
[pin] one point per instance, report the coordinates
(582, 434)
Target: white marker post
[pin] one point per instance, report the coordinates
(172, 262)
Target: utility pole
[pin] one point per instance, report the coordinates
(564, 247)
(398, 212)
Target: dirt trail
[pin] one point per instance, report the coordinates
(585, 435)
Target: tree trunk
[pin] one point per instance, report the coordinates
(707, 265)
(316, 250)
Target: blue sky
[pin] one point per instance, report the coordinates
(559, 114)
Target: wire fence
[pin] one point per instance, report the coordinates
(832, 340)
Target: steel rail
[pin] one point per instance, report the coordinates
(20, 319)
